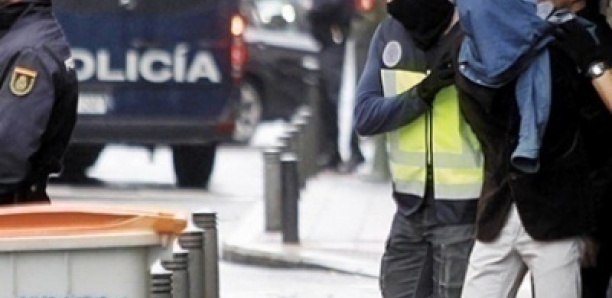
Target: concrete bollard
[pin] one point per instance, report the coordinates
(290, 191)
(178, 266)
(191, 240)
(207, 220)
(272, 189)
(161, 282)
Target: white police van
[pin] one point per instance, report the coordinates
(156, 72)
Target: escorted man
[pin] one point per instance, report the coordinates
(534, 221)
(38, 99)
(406, 92)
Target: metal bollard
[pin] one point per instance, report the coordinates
(309, 139)
(300, 124)
(207, 220)
(191, 240)
(285, 140)
(178, 266)
(295, 147)
(272, 189)
(290, 191)
(161, 282)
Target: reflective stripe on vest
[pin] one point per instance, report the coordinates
(455, 152)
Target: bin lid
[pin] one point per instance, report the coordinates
(70, 219)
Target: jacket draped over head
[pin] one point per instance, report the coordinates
(491, 61)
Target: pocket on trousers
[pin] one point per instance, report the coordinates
(455, 258)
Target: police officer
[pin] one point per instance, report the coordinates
(406, 92)
(330, 23)
(38, 99)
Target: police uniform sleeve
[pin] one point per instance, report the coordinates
(61, 86)
(374, 113)
(26, 101)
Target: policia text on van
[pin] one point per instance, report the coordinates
(151, 65)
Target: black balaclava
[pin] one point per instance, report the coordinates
(426, 20)
(9, 14)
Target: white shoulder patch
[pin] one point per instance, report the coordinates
(392, 54)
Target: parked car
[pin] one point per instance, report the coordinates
(156, 72)
(281, 53)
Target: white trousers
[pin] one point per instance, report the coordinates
(496, 269)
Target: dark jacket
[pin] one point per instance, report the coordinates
(597, 124)
(39, 100)
(556, 202)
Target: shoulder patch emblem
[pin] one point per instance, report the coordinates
(392, 54)
(22, 80)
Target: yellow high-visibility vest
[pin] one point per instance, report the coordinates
(440, 137)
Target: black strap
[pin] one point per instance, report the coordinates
(61, 65)
(62, 68)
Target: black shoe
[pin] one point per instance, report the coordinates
(350, 166)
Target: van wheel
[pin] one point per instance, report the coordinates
(249, 113)
(193, 164)
(77, 159)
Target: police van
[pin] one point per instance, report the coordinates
(156, 72)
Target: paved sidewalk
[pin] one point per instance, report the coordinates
(343, 224)
(344, 221)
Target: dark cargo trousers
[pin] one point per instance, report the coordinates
(424, 259)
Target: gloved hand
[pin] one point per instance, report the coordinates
(441, 75)
(577, 42)
(33, 188)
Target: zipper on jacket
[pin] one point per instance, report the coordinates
(429, 146)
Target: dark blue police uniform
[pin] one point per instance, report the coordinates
(38, 99)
